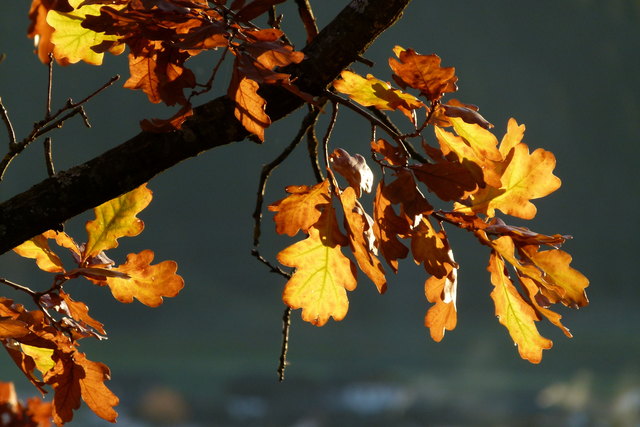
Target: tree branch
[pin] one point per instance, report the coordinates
(139, 159)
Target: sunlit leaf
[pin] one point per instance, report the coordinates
(301, 209)
(114, 219)
(72, 41)
(515, 313)
(38, 248)
(423, 72)
(147, 283)
(442, 315)
(354, 169)
(41, 356)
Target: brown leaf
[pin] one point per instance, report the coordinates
(354, 169)
(250, 107)
(395, 156)
(168, 125)
(431, 248)
(404, 191)
(356, 225)
(387, 227)
(448, 180)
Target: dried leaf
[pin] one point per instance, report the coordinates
(423, 72)
(357, 224)
(431, 248)
(395, 156)
(250, 106)
(323, 274)
(354, 169)
(114, 219)
(147, 283)
(387, 227)
(72, 41)
(12, 328)
(371, 92)
(301, 209)
(442, 316)
(515, 313)
(38, 248)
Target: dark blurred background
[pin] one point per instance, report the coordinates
(567, 70)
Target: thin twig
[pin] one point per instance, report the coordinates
(327, 136)
(49, 87)
(308, 20)
(9, 126)
(286, 325)
(312, 148)
(307, 122)
(18, 287)
(207, 86)
(48, 156)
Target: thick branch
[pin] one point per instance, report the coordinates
(136, 161)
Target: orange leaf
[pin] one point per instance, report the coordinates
(250, 106)
(442, 316)
(525, 177)
(323, 274)
(11, 328)
(515, 313)
(431, 248)
(449, 180)
(114, 219)
(387, 227)
(371, 92)
(404, 191)
(357, 224)
(555, 264)
(38, 248)
(148, 283)
(80, 312)
(423, 72)
(533, 290)
(395, 156)
(168, 125)
(95, 394)
(301, 209)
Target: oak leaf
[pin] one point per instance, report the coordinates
(12, 328)
(388, 226)
(250, 106)
(423, 72)
(525, 177)
(147, 283)
(448, 180)
(38, 248)
(114, 219)
(395, 156)
(431, 248)
(515, 313)
(357, 225)
(72, 41)
(404, 191)
(323, 274)
(354, 169)
(301, 209)
(443, 114)
(371, 92)
(442, 316)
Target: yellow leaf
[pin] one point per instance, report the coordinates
(370, 91)
(323, 274)
(482, 141)
(515, 313)
(114, 219)
(525, 177)
(73, 42)
(38, 248)
(148, 283)
(41, 356)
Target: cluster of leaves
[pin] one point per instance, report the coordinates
(161, 36)
(468, 168)
(44, 342)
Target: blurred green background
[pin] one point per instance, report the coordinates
(567, 70)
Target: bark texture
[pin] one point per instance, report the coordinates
(213, 124)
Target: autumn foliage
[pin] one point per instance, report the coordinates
(448, 170)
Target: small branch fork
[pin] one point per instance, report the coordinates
(50, 122)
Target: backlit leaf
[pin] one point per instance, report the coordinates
(423, 72)
(114, 219)
(322, 276)
(38, 248)
(250, 106)
(41, 356)
(301, 209)
(431, 248)
(515, 313)
(72, 41)
(525, 177)
(96, 395)
(442, 316)
(370, 91)
(12, 328)
(387, 227)
(356, 228)
(147, 283)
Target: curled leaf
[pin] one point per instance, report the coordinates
(354, 169)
